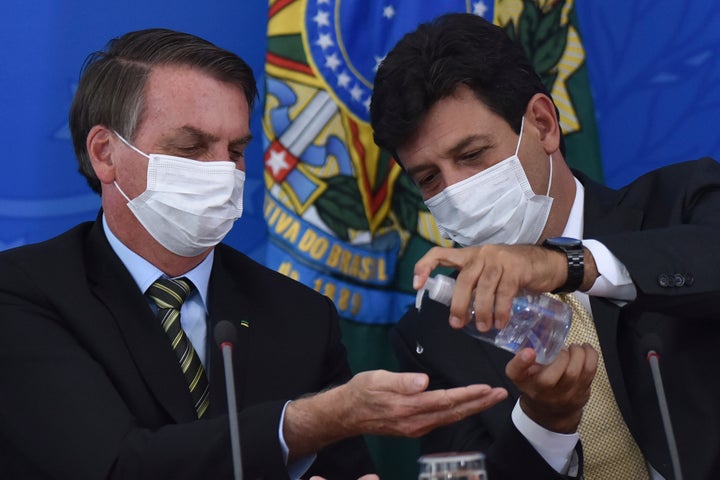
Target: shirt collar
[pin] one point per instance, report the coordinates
(145, 273)
(574, 225)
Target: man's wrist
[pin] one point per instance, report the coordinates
(299, 465)
(313, 422)
(591, 272)
(574, 253)
(564, 423)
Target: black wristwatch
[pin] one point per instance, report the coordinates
(573, 248)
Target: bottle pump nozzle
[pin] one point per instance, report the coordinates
(439, 288)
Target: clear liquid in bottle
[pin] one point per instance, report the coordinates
(537, 321)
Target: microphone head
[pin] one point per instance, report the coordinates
(651, 341)
(225, 332)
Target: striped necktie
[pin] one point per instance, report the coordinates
(609, 449)
(169, 295)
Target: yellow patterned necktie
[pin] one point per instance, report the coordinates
(609, 450)
(169, 296)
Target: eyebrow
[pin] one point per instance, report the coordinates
(198, 133)
(456, 149)
(465, 141)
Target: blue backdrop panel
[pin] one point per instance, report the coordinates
(45, 43)
(655, 77)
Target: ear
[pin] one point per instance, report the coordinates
(541, 112)
(100, 146)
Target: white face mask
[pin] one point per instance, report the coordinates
(496, 205)
(188, 206)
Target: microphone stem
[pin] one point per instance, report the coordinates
(665, 414)
(232, 411)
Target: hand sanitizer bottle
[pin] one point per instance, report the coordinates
(537, 321)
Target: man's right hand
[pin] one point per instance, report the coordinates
(554, 395)
(379, 402)
(496, 273)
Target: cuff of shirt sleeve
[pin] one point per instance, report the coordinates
(297, 468)
(556, 448)
(614, 280)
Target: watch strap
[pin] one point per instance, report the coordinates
(573, 249)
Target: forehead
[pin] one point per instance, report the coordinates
(449, 122)
(175, 96)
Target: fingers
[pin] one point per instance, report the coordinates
(579, 369)
(488, 280)
(441, 407)
(522, 366)
(412, 386)
(496, 273)
(434, 258)
(475, 279)
(387, 403)
(385, 381)
(379, 403)
(471, 264)
(588, 368)
(571, 373)
(554, 395)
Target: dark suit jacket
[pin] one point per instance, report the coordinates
(91, 387)
(665, 228)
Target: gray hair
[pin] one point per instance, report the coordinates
(112, 82)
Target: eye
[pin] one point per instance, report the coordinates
(471, 156)
(187, 150)
(237, 155)
(425, 179)
(428, 182)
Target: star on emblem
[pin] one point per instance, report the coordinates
(343, 80)
(322, 19)
(325, 41)
(332, 61)
(277, 162)
(366, 104)
(479, 8)
(356, 93)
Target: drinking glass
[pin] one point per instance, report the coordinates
(453, 466)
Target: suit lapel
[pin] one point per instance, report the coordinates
(145, 339)
(603, 215)
(227, 302)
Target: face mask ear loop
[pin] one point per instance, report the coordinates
(120, 190)
(131, 146)
(134, 148)
(550, 179)
(522, 126)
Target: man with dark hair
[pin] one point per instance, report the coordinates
(104, 354)
(462, 110)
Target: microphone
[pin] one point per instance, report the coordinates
(652, 344)
(225, 336)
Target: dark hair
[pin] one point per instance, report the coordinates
(112, 82)
(430, 63)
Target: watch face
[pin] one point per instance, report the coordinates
(565, 242)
